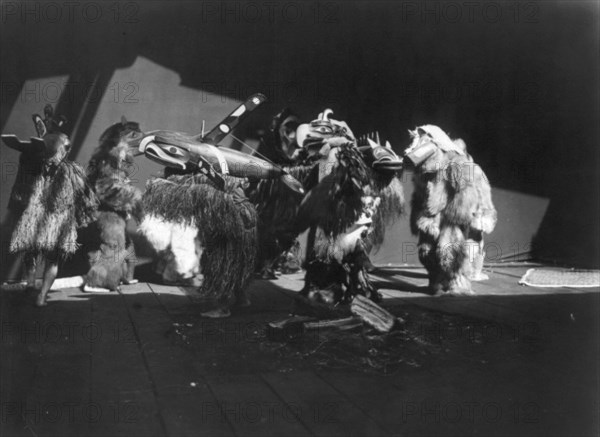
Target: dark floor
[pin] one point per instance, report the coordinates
(512, 360)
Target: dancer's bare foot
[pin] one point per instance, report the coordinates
(50, 270)
(41, 300)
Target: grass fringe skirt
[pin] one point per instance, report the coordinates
(60, 202)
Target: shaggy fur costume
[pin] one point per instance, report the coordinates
(275, 203)
(451, 210)
(177, 246)
(224, 223)
(277, 207)
(111, 253)
(339, 211)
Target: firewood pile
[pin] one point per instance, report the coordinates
(319, 316)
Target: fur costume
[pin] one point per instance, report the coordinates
(111, 253)
(223, 222)
(51, 199)
(276, 205)
(277, 208)
(340, 211)
(184, 154)
(451, 210)
(176, 243)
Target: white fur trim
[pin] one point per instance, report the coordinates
(157, 231)
(183, 246)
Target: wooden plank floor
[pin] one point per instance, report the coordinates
(143, 362)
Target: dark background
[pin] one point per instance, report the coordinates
(518, 81)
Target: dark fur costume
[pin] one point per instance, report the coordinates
(226, 223)
(111, 253)
(110, 166)
(451, 210)
(277, 207)
(343, 189)
(340, 209)
(275, 203)
(335, 210)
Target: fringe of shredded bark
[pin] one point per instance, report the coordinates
(274, 200)
(226, 221)
(351, 178)
(335, 203)
(277, 208)
(391, 208)
(61, 201)
(30, 168)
